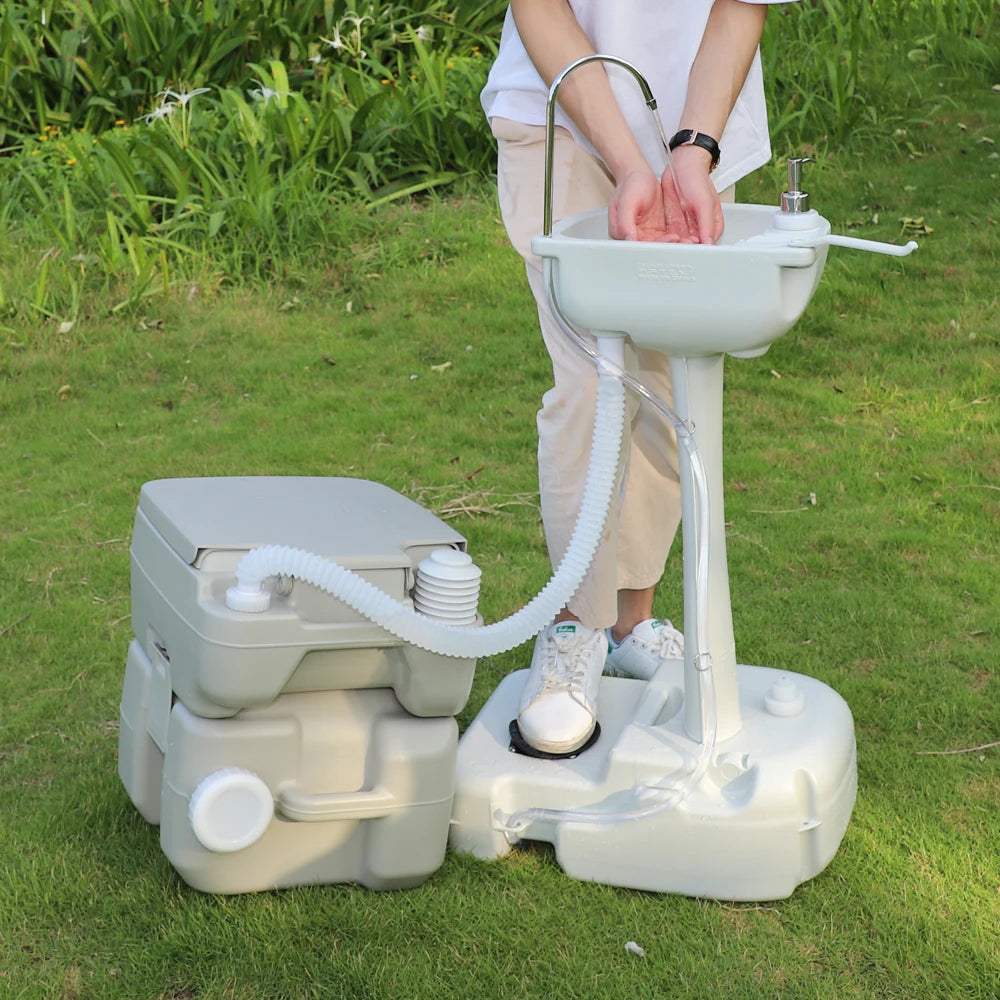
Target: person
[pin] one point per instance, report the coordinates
(702, 62)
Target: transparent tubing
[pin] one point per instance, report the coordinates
(660, 797)
(462, 640)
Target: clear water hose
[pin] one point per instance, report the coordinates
(651, 799)
(459, 640)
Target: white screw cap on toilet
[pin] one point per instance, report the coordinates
(230, 810)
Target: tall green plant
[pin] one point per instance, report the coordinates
(85, 64)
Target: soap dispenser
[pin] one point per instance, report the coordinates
(798, 225)
(795, 213)
(794, 224)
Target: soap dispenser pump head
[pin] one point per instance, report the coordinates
(795, 200)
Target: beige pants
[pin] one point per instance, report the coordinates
(644, 521)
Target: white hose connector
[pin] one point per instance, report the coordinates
(460, 640)
(249, 597)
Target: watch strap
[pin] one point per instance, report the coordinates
(688, 137)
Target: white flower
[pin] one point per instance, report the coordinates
(183, 97)
(163, 111)
(350, 41)
(263, 93)
(357, 21)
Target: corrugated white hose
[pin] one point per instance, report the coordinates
(651, 798)
(461, 640)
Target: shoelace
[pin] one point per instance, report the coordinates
(670, 647)
(565, 668)
(665, 643)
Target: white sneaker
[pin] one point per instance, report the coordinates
(642, 651)
(558, 709)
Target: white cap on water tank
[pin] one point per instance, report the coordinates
(784, 699)
(230, 810)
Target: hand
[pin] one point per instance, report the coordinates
(691, 205)
(636, 209)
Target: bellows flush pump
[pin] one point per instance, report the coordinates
(302, 645)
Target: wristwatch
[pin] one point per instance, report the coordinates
(688, 137)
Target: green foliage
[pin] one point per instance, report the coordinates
(147, 145)
(258, 123)
(85, 64)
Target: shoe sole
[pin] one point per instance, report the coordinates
(518, 744)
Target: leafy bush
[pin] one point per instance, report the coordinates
(84, 64)
(141, 141)
(257, 122)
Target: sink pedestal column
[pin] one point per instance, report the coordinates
(697, 385)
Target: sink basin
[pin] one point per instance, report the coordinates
(686, 300)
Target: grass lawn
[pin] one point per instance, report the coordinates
(863, 511)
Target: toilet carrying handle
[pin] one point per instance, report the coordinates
(363, 804)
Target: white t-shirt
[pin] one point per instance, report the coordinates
(660, 38)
